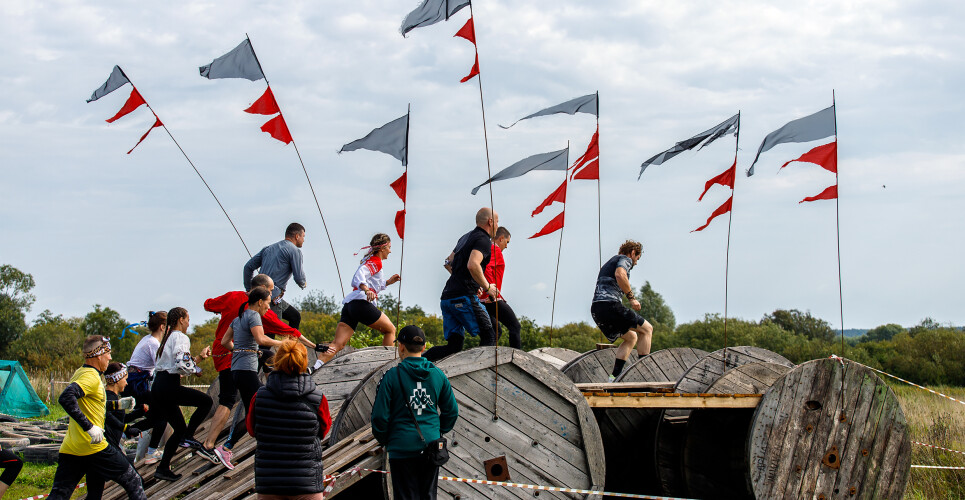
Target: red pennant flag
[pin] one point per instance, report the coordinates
(725, 178)
(552, 226)
(559, 194)
(473, 72)
(590, 172)
(133, 102)
(278, 129)
(825, 155)
(721, 210)
(157, 123)
(468, 31)
(828, 194)
(265, 105)
(588, 165)
(399, 186)
(400, 223)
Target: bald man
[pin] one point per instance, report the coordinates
(461, 310)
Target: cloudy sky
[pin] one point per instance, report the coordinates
(140, 232)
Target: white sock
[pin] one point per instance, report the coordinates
(318, 364)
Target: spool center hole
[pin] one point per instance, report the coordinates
(496, 470)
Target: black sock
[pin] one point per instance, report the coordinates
(618, 366)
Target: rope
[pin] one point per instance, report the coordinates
(936, 467)
(555, 488)
(44, 495)
(833, 356)
(938, 447)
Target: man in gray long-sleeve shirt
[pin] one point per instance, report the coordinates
(281, 261)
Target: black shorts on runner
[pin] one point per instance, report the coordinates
(359, 311)
(614, 319)
(227, 392)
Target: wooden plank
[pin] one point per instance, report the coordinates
(623, 386)
(697, 401)
(478, 358)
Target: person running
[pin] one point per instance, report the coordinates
(174, 360)
(228, 306)
(461, 310)
(289, 417)
(499, 309)
(281, 261)
(140, 370)
(611, 316)
(11, 465)
(414, 405)
(84, 450)
(115, 421)
(359, 306)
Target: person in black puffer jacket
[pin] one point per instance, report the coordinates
(289, 417)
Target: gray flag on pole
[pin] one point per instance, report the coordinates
(239, 63)
(807, 129)
(585, 104)
(554, 160)
(431, 12)
(115, 81)
(391, 139)
(706, 137)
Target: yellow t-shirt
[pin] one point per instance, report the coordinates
(94, 407)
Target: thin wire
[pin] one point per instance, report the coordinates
(317, 205)
(837, 216)
(730, 218)
(398, 307)
(599, 211)
(559, 253)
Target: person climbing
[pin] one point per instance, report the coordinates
(461, 310)
(140, 370)
(611, 316)
(281, 261)
(116, 420)
(359, 305)
(498, 309)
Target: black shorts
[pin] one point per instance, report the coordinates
(359, 311)
(614, 319)
(227, 391)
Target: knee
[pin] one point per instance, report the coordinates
(646, 328)
(630, 338)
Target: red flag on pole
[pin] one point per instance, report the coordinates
(278, 129)
(721, 210)
(400, 223)
(157, 123)
(265, 105)
(473, 72)
(725, 178)
(828, 194)
(588, 165)
(133, 102)
(399, 186)
(468, 31)
(552, 226)
(559, 194)
(825, 155)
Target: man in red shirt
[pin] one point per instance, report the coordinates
(494, 274)
(229, 306)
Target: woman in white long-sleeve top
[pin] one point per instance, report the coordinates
(359, 305)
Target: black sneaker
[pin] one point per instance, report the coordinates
(191, 443)
(166, 475)
(208, 454)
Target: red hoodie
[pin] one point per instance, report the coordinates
(228, 306)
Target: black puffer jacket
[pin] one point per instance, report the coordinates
(288, 417)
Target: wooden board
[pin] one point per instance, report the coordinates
(556, 356)
(339, 377)
(672, 426)
(626, 387)
(666, 365)
(822, 404)
(594, 366)
(356, 411)
(715, 452)
(677, 401)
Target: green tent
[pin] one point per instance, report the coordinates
(18, 398)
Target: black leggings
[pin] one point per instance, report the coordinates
(107, 463)
(292, 315)
(169, 396)
(11, 466)
(248, 384)
(453, 345)
(508, 318)
(96, 483)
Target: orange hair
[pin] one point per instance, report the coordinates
(291, 358)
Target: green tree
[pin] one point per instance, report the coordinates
(883, 332)
(801, 323)
(654, 309)
(15, 301)
(317, 302)
(51, 344)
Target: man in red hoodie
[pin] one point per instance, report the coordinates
(229, 306)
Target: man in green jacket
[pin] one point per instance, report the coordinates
(414, 390)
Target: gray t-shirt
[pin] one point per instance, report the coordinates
(245, 355)
(607, 289)
(281, 261)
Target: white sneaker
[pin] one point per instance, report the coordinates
(153, 458)
(612, 378)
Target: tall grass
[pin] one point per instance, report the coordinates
(940, 422)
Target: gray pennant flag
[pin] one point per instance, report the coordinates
(239, 63)
(706, 137)
(585, 104)
(114, 82)
(807, 129)
(554, 160)
(431, 12)
(391, 139)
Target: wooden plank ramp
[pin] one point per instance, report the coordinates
(671, 401)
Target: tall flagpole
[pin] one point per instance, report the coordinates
(599, 214)
(398, 310)
(730, 217)
(837, 217)
(559, 253)
(309, 179)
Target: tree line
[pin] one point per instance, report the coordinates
(927, 353)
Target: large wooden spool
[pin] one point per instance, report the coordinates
(339, 377)
(556, 356)
(672, 426)
(715, 454)
(829, 429)
(594, 366)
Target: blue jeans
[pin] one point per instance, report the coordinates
(460, 315)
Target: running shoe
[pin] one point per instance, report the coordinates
(166, 475)
(153, 458)
(208, 454)
(191, 443)
(224, 455)
(612, 378)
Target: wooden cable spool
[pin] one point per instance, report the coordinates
(594, 366)
(829, 429)
(715, 452)
(339, 377)
(556, 356)
(672, 425)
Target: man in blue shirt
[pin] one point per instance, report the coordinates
(281, 261)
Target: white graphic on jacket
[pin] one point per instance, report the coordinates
(420, 399)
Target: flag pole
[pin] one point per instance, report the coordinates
(559, 253)
(837, 217)
(730, 218)
(398, 308)
(599, 215)
(297, 153)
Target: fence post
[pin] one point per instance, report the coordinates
(50, 393)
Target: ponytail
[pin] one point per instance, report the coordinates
(174, 316)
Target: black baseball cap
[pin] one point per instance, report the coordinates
(412, 335)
